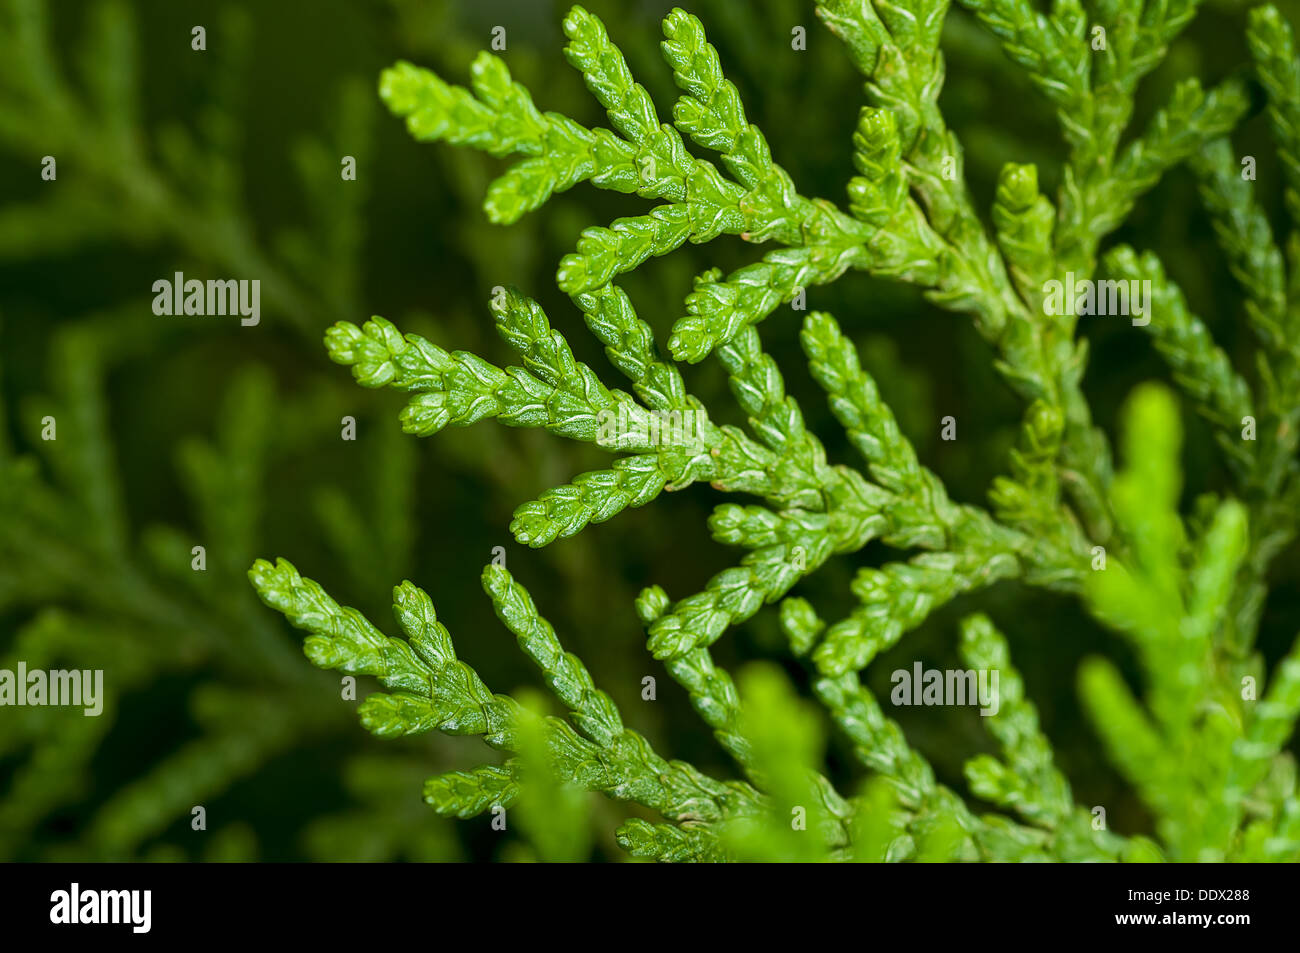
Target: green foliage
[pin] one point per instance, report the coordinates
(85, 585)
(170, 435)
(1199, 728)
(1205, 755)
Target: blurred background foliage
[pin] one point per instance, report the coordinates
(182, 431)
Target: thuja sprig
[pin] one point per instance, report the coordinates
(1199, 366)
(1258, 427)
(1203, 727)
(1027, 779)
(911, 218)
(1092, 90)
(433, 689)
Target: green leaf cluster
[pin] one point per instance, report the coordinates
(1202, 741)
